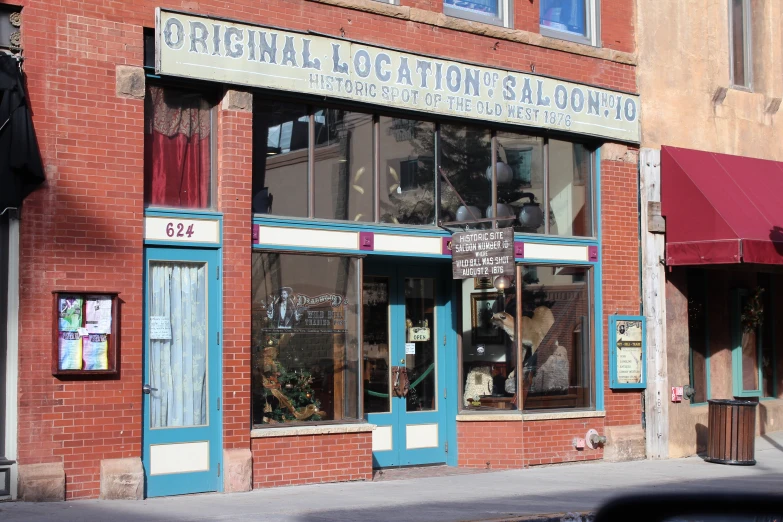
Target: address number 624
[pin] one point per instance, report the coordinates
(179, 230)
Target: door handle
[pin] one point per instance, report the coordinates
(147, 389)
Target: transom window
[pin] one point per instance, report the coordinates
(330, 163)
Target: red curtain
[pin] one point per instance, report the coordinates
(177, 164)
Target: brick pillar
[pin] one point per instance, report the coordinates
(235, 161)
(621, 290)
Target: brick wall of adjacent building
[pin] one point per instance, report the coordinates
(84, 228)
(309, 459)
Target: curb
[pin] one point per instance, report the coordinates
(579, 516)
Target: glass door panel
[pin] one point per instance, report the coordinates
(420, 359)
(375, 348)
(178, 344)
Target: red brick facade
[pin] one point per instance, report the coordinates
(84, 230)
(309, 459)
(621, 273)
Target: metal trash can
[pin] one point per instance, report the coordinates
(732, 432)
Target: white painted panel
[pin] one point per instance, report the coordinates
(303, 237)
(421, 436)
(182, 230)
(555, 252)
(382, 438)
(408, 244)
(179, 458)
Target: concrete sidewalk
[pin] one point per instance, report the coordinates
(480, 496)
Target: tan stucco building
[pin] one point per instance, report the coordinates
(709, 75)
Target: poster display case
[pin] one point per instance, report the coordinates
(84, 333)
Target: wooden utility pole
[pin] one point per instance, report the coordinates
(654, 301)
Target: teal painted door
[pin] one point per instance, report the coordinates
(406, 320)
(182, 440)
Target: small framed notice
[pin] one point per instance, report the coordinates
(627, 352)
(84, 333)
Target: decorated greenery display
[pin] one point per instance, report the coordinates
(753, 313)
(288, 396)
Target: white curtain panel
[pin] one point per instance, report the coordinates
(178, 367)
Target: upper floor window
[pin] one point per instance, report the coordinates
(497, 12)
(178, 131)
(740, 44)
(575, 20)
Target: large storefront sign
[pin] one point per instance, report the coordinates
(235, 53)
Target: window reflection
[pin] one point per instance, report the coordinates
(569, 189)
(520, 172)
(568, 16)
(280, 143)
(407, 176)
(343, 165)
(466, 162)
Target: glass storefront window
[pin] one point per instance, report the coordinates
(569, 189)
(305, 362)
(466, 163)
(343, 168)
(407, 175)
(361, 167)
(555, 335)
(520, 172)
(489, 352)
(280, 148)
(177, 149)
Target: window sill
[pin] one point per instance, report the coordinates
(294, 431)
(492, 417)
(422, 16)
(565, 36)
(558, 415)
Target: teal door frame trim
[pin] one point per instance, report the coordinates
(443, 337)
(203, 481)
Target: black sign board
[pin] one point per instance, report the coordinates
(483, 253)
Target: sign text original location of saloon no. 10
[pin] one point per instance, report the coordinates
(243, 54)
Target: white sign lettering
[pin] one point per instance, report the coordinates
(244, 54)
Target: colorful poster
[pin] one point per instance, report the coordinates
(70, 314)
(70, 350)
(96, 352)
(98, 315)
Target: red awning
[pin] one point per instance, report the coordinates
(721, 208)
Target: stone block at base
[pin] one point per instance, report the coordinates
(624, 443)
(122, 479)
(238, 466)
(42, 482)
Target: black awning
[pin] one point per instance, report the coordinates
(21, 169)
